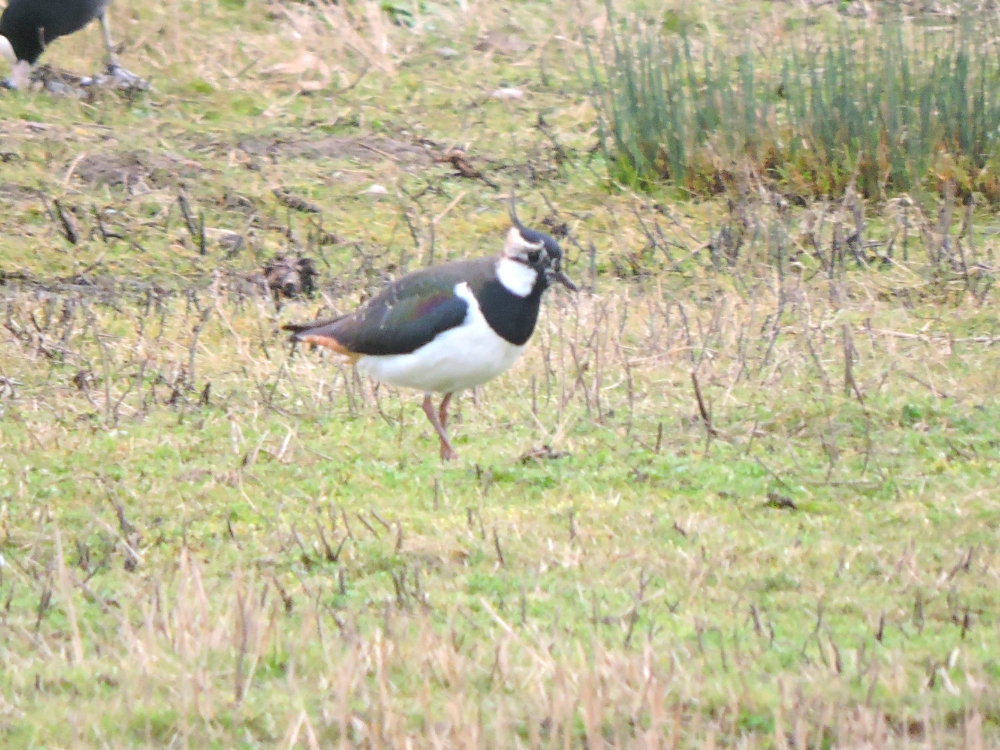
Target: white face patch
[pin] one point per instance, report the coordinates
(516, 277)
(516, 246)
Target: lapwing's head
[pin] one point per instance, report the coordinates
(536, 252)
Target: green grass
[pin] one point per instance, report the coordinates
(209, 540)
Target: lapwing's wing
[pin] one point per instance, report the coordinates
(404, 316)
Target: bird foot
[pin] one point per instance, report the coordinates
(115, 78)
(125, 79)
(447, 452)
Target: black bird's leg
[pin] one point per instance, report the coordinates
(121, 76)
(447, 452)
(108, 46)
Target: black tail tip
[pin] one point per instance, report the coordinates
(295, 330)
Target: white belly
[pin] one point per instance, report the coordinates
(456, 359)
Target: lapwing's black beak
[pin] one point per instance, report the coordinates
(562, 279)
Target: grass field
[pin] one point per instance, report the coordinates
(741, 491)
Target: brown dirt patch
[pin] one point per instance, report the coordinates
(503, 42)
(134, 169)
(364, 149)
(13, 193)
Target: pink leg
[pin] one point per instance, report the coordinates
(447, 452)
(443, 410)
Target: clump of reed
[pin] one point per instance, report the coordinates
(897, 107)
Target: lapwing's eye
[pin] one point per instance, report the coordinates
(534, 256)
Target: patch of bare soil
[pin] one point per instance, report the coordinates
(504, 42)
(135, 169)
(13, 193)
(364, 149)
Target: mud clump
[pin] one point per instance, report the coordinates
(289, 276)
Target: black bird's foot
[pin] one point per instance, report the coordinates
(124, 79)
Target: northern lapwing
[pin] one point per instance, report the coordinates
(448, 327)
(27, 27)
